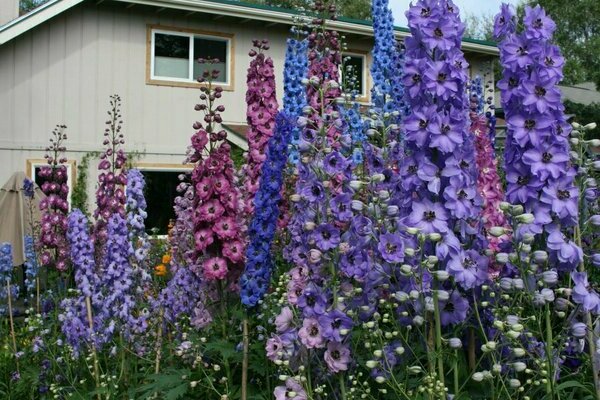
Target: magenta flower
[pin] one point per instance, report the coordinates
(211, 210)
(310, 334)
(215, 268)
(291, 391)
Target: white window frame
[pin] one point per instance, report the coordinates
(365, 75)
(190, 35)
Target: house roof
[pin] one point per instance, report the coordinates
(230, 8)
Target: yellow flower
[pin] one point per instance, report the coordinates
(160, 270)
(166, 259)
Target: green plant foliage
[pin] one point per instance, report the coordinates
(79, 195)
(583, 114)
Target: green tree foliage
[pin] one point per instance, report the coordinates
(27, 5)
(585, 114)
(578, 35)
(355, 9)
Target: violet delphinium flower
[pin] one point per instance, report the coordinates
(136, 215)
(262, 109)
(537, 149)
(31, 265)
(112, 179)
(74, 317)
(55, 207)
(292, 390)
(337, 357)
(582, 294)
(6, 270)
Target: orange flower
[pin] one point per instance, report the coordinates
(166, 259)
(160, 270)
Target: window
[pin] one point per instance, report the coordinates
(173, 56)
(354, 73)
(33, 172)
(160, 192)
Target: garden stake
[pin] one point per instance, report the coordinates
(12, 325)
(245, 360)
(88, 306)
(159, 340)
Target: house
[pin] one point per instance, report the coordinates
(60, 63)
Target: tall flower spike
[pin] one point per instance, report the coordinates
(55, 207)
(387, 93)
(74, 317)
(262, 108)
(6, 269)
(539, 173)
(31, 265)
(294, 92)
(259, 260)
(439, 173)
(488, 182)
(136, 215)
(217, 230)
(110, 195)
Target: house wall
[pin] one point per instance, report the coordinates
(64, 71)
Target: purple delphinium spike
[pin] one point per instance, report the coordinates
(53, 242)
(110, 194)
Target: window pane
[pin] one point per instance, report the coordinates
(211, 48)
(160, 193)
(353, 72)
(171, 56)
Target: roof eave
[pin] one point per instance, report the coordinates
(224, 7)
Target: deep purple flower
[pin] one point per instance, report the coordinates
(454, 310)
(391, 247)
(469, 269)
(327, 237)
(340, 207)
(429, 217)
(537, 24)
(333, 322)
(546, 161)
(583, 294)
(505, 21)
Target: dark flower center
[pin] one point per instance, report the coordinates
(522, 51)
(563, 194)
(449, 307)
(529, 124)
(390, 248)
(549, 61)
(336, 323)
(445, 129)
(425, 12)
(310, 301)
(423, 124)
(316, 191)
(413, 169)
(462, 194)
(540, 91)
(513, 82)
(416, 78)
(523, 180)
(429, 216)
(546, 157)
(314, 331)
(463, 164)
(441, 77)
(538, 24)
(468, 262)
(335, 355)
(438, 33)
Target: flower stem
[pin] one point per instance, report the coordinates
(455, 373)
(88, 307)
(438, 337)
(549, 355)
(245, 359)
(12, 325)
